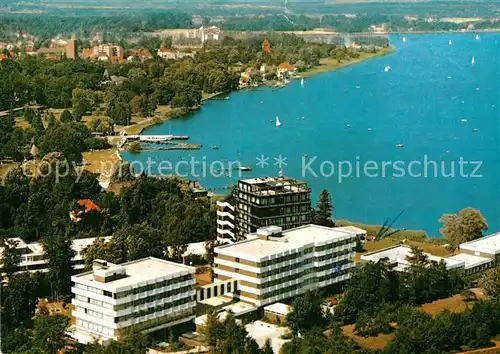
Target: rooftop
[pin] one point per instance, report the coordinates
(271, 181)
(36, 248)
(139, 272)
(279, 308)
(470, 260)
(351, 228)
(488, 244)
(258, 250)
(398, 254)
(273, 185)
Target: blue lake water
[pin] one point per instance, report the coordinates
(359, 114)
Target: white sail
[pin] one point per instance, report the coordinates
(450, 42)
(302, 82)
(473, 61)
(278, 123)
(404, 39)
(477, 37)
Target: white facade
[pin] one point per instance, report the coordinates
(225, 220)
(149, 294)
(278, 265)
(166, 53)
(33, 258)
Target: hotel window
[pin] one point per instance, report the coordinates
(222, 289)
(228, 287)
(237, 260)
(216, 291)
(209, 293)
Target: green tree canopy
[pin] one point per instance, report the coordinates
(468, 225)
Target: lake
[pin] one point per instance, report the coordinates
(433, 101)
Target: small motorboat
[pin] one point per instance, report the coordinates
(400, 145)
(475, 130)
(463, 120)
(214, 147)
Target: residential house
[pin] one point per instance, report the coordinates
(171, 54)
(285, 71)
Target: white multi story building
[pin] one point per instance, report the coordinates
(277, 265)
(149, 294)
(225, 220)
(33, 257)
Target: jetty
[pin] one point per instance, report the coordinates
(157, 138)
(173, 146)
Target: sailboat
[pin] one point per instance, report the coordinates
(404, 39)
(450, 42)
(302, 82)
(473, 61)
(477, 37)
(278, 123)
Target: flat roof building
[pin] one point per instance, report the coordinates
(397, 257)
(277, 265)
(148, 294)
(487, 246)
(266, 201)
(33, 257)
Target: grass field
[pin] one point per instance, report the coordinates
(378, 342)
(100, 161)
(453, 304)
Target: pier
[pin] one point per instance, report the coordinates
(173, 146)
(157, 138)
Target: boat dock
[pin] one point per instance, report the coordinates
(174, 146)
(157, 138)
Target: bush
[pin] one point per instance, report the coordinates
(97, 144)
(368, 325)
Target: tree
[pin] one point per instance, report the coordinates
(132, 341)
(19, 299)
(66, 138)
(306, 313)
(417, 257)
(11, 256)
(58, 252)
(51, 121)
(83, 101)
(468, 225)
(490, 282)
(370, 285)
(119, 112)
(49, 333)
(324, 208)
(267, 348)
(29, 114)
(66, 116)
(143, 106)
(212, 328)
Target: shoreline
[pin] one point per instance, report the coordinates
(327, 65)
